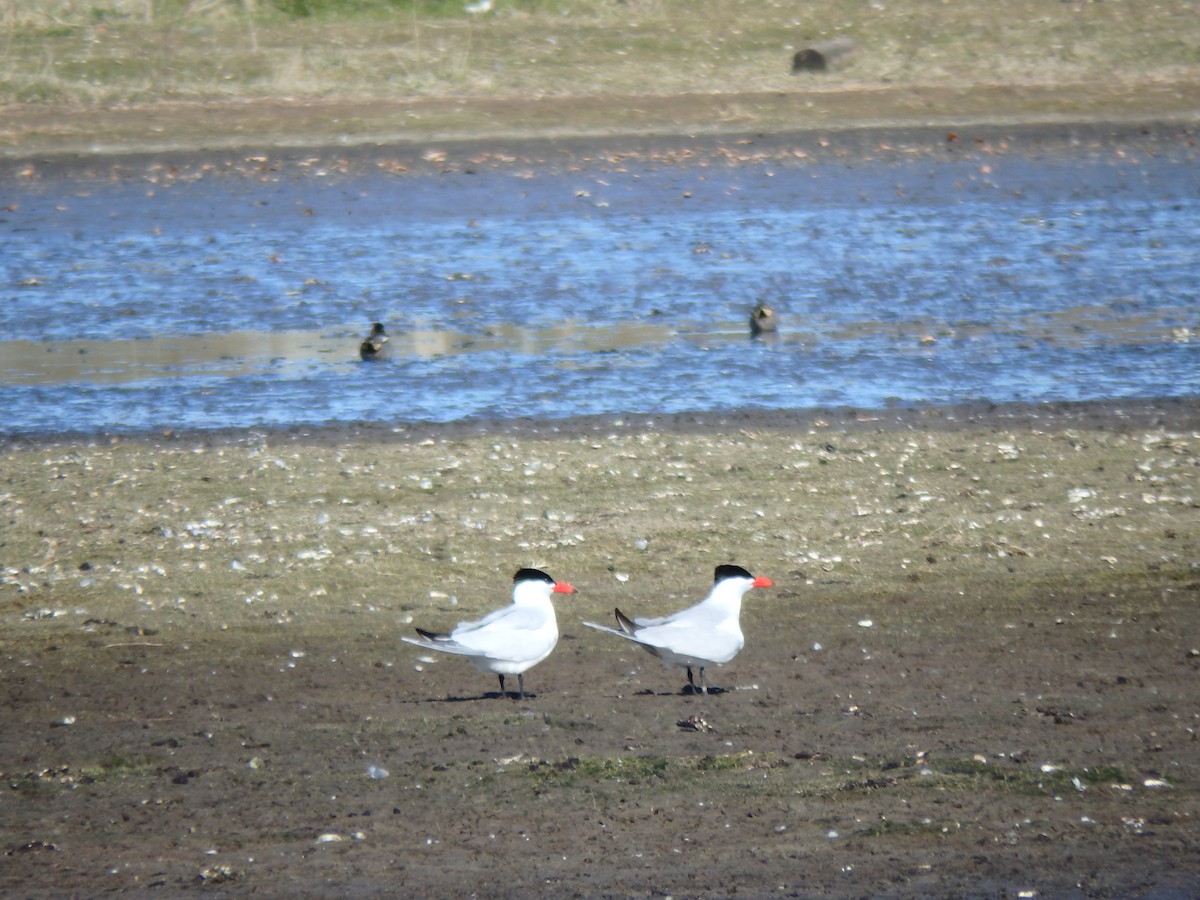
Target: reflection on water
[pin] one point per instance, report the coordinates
(206, 306)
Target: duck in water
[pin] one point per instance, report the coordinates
(762, 320)
(375, 344)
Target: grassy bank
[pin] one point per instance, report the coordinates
(148, 72)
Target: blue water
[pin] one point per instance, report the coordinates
(231, 303)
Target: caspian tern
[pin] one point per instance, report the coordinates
(512, 639)
(375, 344)
(707, 634)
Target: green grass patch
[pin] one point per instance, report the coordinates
(667, 772)
(119, 765)
(356, 9)
(575, 770)
(826, 780)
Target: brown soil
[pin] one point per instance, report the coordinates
(992, 692)
(33, 131)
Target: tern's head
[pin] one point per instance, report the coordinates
(736, 575)
(536, 583)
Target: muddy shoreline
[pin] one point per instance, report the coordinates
(1117, 416)
(432, 156)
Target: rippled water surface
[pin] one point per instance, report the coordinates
(214, 304)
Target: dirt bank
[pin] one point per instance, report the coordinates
(851, 141)
(271, 124)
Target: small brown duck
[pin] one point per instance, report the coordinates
(762, 320)
(375, 344)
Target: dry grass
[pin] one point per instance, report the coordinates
(136, 51)
(157, 75)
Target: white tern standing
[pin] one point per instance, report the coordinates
(510, 640)
(707, 634)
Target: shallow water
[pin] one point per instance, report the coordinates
(216, 304)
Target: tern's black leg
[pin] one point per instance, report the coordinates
(502, 693)
(690, 681)
(521, 685)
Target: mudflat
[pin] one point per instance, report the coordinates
(977, 674)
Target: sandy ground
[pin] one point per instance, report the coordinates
(977, 675)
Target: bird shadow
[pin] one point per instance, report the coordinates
(687, 690)
(486, 695)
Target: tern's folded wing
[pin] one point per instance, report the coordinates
(517, 634)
